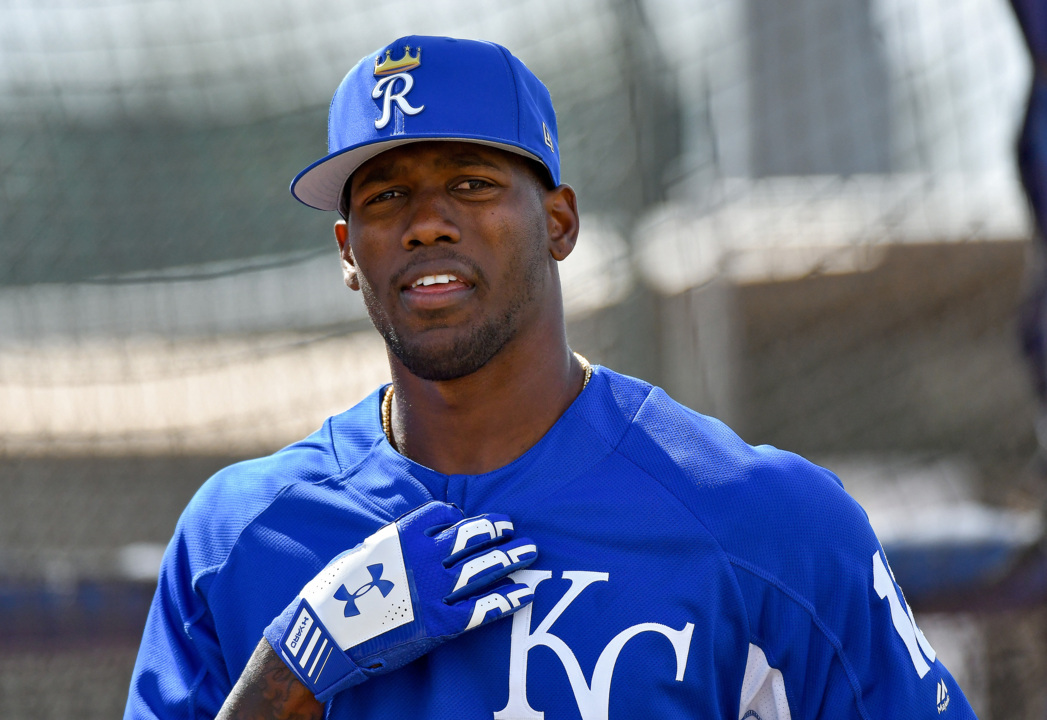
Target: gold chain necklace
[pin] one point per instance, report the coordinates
(387, 401)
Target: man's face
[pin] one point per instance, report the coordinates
(450, 245)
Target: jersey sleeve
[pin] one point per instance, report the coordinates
(179, 672)
(831, 632)
(197, 639)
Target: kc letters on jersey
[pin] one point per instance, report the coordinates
(593, 697)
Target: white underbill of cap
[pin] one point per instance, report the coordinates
(320, 185)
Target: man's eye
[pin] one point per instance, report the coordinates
(473, 184)
(383, 196)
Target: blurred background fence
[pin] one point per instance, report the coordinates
(800, 216)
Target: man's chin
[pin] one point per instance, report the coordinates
(441, 366)
(450, 360)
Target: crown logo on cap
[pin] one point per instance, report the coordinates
(388, 66)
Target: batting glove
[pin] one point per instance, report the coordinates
(417, 582)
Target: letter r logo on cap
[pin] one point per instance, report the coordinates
(385, 85)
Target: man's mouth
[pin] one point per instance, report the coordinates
(436, 291)
(427, 280)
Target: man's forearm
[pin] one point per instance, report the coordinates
(267, 690)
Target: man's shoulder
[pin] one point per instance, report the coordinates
(671, 440)
(737, 490)
(234, 496)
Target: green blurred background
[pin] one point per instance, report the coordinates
(801, 217)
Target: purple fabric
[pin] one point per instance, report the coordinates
(1032, 165)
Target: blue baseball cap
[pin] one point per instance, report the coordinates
(431, 88)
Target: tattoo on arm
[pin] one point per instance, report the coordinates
(267, 690)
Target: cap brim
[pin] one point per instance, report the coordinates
(320, 185)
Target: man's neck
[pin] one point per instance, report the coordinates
(485, 420)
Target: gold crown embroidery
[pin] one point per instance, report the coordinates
(388, 66)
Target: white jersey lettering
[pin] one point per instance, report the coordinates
(592, 699)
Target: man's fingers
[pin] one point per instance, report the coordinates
(433, 515)
(480, 571)
(503, 601)
(474, 534)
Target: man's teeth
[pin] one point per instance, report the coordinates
(434, 280)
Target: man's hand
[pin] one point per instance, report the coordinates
(414, 584)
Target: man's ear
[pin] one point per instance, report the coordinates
(561, 211)
(341, 235)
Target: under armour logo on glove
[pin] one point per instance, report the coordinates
(436, 573)
(383, 586)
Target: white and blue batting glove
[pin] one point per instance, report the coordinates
(417, 582)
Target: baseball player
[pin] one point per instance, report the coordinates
(507, 531)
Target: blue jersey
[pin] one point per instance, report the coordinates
(681, 574)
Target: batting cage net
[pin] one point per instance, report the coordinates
(800, 216)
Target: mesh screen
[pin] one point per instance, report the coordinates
(800, 216)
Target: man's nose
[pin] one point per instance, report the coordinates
(431, 221)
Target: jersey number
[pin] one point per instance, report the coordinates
(901, 615)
